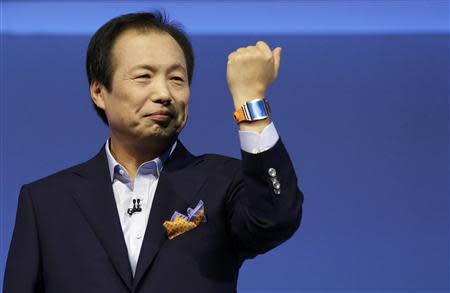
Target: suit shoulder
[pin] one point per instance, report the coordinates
(219, 163)
(57, 178)
(219, 159)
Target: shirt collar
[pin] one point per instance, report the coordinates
(115, 166)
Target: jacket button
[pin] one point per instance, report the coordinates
(272, 172)
(276, 185)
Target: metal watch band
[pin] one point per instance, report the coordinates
(257, 109)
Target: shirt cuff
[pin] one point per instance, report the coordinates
(255, 143)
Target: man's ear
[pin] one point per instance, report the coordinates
(98, 94)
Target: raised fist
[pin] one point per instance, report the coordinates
(251, 70)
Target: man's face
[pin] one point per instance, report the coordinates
(150, 89)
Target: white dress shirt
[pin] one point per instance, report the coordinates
(144, 186)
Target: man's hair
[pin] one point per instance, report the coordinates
(99, 61)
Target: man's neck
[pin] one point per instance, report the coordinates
(132, 155)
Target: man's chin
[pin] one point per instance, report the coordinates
(156, 133)
(161, 135)
(162, 123)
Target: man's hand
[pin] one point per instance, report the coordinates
(251, 70)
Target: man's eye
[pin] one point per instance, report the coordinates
(177, 78)
(143, 76)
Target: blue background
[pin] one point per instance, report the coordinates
(361, 101)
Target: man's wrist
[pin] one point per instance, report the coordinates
(255, 126)
(240, 98)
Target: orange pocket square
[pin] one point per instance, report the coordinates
(180, 223)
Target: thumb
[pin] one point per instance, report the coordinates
(276, 61)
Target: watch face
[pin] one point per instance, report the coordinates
(257, 109)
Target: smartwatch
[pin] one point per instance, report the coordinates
(257, 109)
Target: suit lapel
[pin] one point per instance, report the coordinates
(177, 187)
(95, 198)
(176, 190)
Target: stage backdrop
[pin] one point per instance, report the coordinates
(361, 103)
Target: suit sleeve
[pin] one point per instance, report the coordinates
(23, 273)
(261, 217)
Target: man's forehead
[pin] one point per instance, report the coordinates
(164, 51)
(155, 66)
(144, 34)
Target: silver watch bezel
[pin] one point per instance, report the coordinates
(257, 109)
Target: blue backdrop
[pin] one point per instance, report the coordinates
(361, 101)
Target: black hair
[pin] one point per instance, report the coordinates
(99, 65)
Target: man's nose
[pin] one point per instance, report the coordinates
(161, 92)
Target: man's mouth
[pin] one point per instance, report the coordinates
(160, 116)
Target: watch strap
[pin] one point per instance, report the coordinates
(238, 115)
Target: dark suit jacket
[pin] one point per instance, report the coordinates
(68, 236)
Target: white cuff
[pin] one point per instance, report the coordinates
(255, 143)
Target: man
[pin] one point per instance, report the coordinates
(145, 215)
